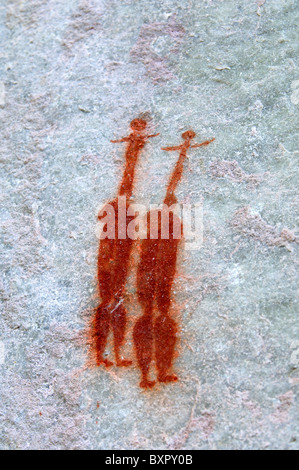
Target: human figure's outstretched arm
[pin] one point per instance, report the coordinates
(124, 139)
(153, 135)
(206, 142)
(168, 149)
(130, 137)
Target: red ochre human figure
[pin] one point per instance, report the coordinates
(155, 276)
(114, 256)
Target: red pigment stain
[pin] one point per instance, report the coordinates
(114, 256)
(154, 334)
(157, 66)
(157, 336)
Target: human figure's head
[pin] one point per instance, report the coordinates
(138, 125)
(188, 135)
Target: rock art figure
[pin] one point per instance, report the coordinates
(157, 336)
(114, 256)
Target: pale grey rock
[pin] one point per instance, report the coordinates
(2, 94)
(72, 76)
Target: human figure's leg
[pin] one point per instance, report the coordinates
(165, 329)
(102, 320)
(143, 333)
(118, 312)
(101, 327)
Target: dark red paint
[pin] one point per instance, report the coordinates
(154, 336)
(155, 276)
(113, 259)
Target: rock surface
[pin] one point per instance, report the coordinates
(72, 76)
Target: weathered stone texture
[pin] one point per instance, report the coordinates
(72, 76)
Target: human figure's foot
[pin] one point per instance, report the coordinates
(147, 383)
(105, 362)
(167, 378)
(124, 363)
